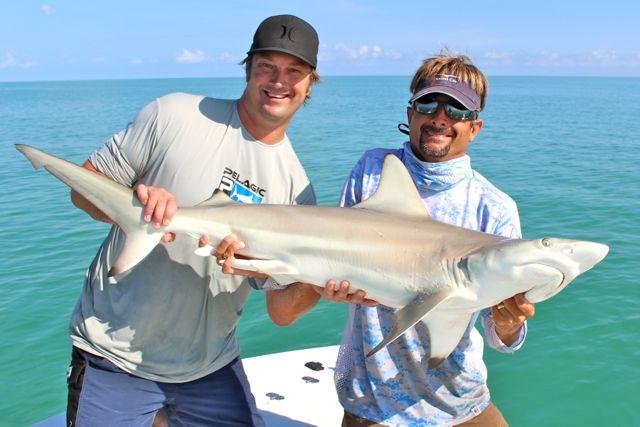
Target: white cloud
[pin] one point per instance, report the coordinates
(556, 60)
(362, 52)
(8, 60)
(604, 56)
(495, 59)
(136, 61)
(47, 9)
(191, 57)
(497, 55)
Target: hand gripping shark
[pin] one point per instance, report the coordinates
(387, 246)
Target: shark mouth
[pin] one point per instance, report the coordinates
(546, 281)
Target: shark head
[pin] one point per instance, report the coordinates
(540, 267)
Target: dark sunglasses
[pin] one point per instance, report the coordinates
(453, 111)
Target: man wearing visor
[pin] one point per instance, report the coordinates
(395, 386)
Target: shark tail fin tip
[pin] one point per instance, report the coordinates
(35, 156)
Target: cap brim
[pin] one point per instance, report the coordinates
(287, 51)
(450, 91)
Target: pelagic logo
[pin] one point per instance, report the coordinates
(240, 190)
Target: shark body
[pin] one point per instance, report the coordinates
(387, 246)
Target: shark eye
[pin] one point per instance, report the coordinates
(546, 242)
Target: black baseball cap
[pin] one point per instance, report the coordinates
(449, 85)
(287, 34)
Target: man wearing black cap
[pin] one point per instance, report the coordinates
(163, 334)
(395, 386)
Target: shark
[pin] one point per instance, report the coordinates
(387, 246)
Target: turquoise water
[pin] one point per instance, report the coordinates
(566, 149)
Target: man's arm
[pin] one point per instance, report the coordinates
(81, 203)
(286, 305)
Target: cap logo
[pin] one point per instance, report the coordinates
(288, 33)
(447, 77)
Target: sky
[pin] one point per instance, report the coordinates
(80, 40)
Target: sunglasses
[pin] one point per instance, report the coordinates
(453, 111)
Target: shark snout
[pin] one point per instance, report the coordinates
(572, 257)
(582, 255)
(568, 257)
(588, 254)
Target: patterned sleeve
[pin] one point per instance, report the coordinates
(492, 336)
(352, 189)
(124, 156)
(508, 225)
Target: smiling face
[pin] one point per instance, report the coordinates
(438, 138)
(277, 85)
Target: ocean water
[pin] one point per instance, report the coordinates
(566, 149)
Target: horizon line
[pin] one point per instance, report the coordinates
(65, 80)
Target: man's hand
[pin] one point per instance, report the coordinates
(509, 317)
(160, 206)
(330, 293)
(226, 253)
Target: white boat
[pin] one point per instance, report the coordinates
(284, 385)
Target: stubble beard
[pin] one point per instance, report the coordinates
(423, 146)
(433, 154)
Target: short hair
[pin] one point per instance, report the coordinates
(457, 65)
(248, 61)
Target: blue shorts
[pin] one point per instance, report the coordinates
(112, 397)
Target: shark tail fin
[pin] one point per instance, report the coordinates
(115, 200)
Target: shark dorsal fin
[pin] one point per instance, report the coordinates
(396, 192)
(219, 198)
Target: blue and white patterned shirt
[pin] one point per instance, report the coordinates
(394, 386)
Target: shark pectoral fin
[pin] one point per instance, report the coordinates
(445, 332)
(137, 245)
(239, 263)
(411, 314)
(271, 267)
